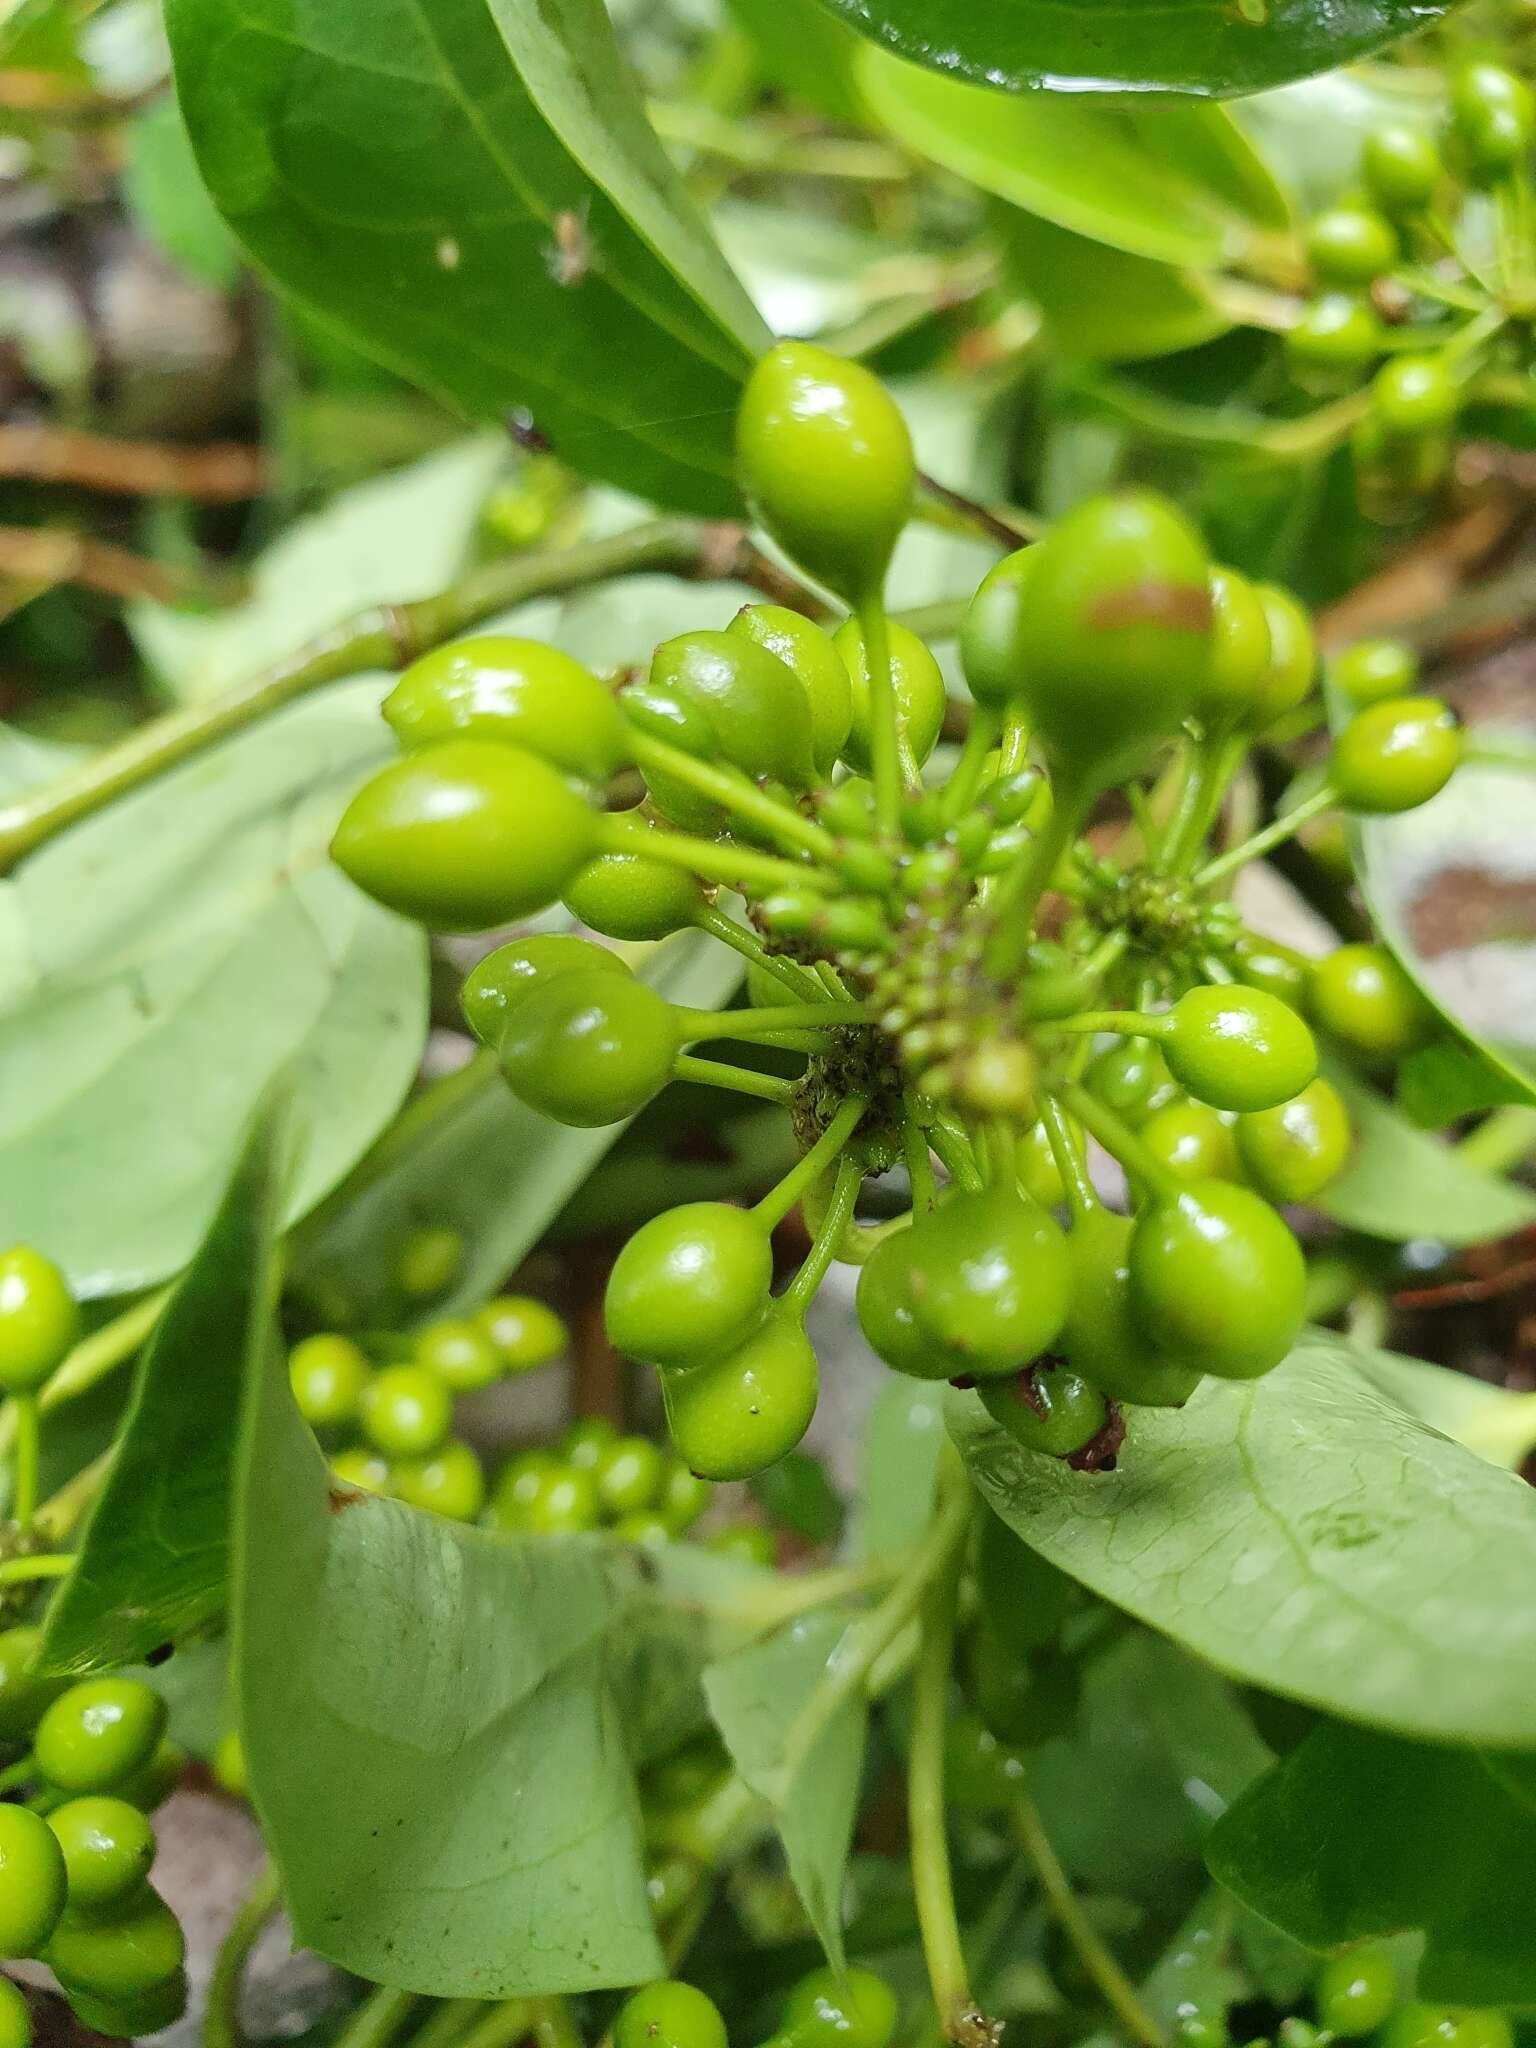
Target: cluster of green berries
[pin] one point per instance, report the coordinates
(75, 1858)
(1358, 1994)
(852, 2008)
(1386, 266)
(594, 1477)
(400, 1413)
(957, 975)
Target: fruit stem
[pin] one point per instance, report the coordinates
(956, 1155)
(377, 2020)
(1212, 764)
(1082, 1195)
(1274, 834)
(24, 1460)
(914, 1145)
(1013, 908)
(801, 1290)
(1118, 1139)
(711, 919)
(736, 792)
(828, 1016)
(1127, 1023)
(778, 1201)
(981, 737)
(714, 860)
(739, 1080)
(15, 1571)
(221, 2014)
(884, 718)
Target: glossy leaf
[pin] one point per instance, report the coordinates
(804, 51)
(152, 1563)
(470, 193)
(1302, 1532)
(161, 961)
(1402, 1183)
(168, 200)
(1493, 1421)
(1202, 47)
(1100, 302)
(1357, 1834)
(1176, 183)
(757, 1697)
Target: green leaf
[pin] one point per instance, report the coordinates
(757, 1697)
(1499, 1425)
(1099, 302)
(153, 1559)
(898, 1465)
(1175, 183)
(1195, 1971)
(1200, 47)
(469, 191)
(161, 961)
(435, 1744)
(1402, 1183)
(1440, 1083)
(166, 196)
(1304, 1533)
(804, 52)
(1355, 1834)
(467, 1154)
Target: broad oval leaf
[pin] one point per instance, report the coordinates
(153, 1560)
(1306, 1534)
(161, 961)
(470, 192)
(1099, 302)
(1209, 48)
(1177, 183)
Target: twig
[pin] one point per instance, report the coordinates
(1009, 532)
(221, 2017)
(221, 472)
(47, 556)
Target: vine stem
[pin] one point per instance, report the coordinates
(1118, 1992)
(388, 637)
(221, 2015)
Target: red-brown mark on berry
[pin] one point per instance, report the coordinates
(1183, 605)
(1101, 1450)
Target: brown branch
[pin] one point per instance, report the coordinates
(220, 472)
(45, 557)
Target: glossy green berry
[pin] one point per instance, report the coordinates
(1115, 640)
(626, 896)
(585, 1441)
(543, 1496)
(24, 1693)
(1360, 995)
(1350, 245)
(361, 1467)
(1217, 1280)
(1334, 337)
(1370, 670)
(589, 1049)
(108, 1848)
(1192, 1141)
(131, 2019)
(15, 2016)
(1291, 1152)
(1292, 670)
(1400, 166)
(95, 1734)
(689, 1285)
(1046, 1408)
(884, 1304)
(1491, 114)
(525, 1331)
(1039, 1175)
(826, 462)
(1053, 982)
(495, 688)
(1436, 2026)
(1240, 651)
(406, 1411)
(1414, 396)
(1130, 1077)
(39, 1320)
(466, 834)
(460, 1353)
(32, 1882)
(646, 1528)
(683, 1497)
(989, 636)
(1101, 1338)
(739, 1414)
(449, 1481)
(428, 1261)
(750, 1541)
(1238, 1048)
(803, 647)
(327, 1374)
(628, 1476)
(118, 1954)
(848, 2009)
(494, 987)
(1356, 1992)
(1396, 755)
(154, 1781)
(990, 1280)
(755, 705)
(1266, 963)
(669, 2014)
(917, 680)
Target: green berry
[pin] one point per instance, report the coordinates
(628, 1476)
(429, 1262)
(406, 1411)
(1356, 1992)
(1350, 245)
(98, 1733)
(589, 1049)
(989, 636)
(826, 462)
(1265, 963)
(684, 1496)
(1292, 1151)
(1240, 651)
(884, 1303)
(119, 1954)
(450, 1481)
(228, 1765)
(465, 835)
(1401, 167)
(460, 1353)
(1373, 669)
(23, 1692)
(15, 2016)
(1039, 1175)
(1238, 1048)
(1360, 995)
(525, 1331)
(750, 1541)
(543, 1496)
(1046, 1408)
(1491, 114)
(990, 1280)
(690, 1284)
(1433, 2026)
(1292, 671)
(494, 688)
(132, 2018)
(1191, 1140)
(754, 705)
(108, 1847)
(739, 1414)
(802, 646)
(669, 2014)
(626, 896)
(585, 1441)
(917, 680)
(1335, 337)
(1217, 1280)
(1396, 755)
(644, 1527)
(1101, 1339)
(39, 1320)
(33, 1884)
(154, 1782)
(1130, 1077)
(361, 1467)
(494, 988)
(327, 1374)
(848, 2009)
(1414, 396)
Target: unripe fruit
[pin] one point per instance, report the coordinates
(459, 1353)
(538, 1495)
(802, 646)
(590, 1049)
(1431, 2026)
(626, 896)
(449, 1482)
(1101, 1338)
(756, 707)
(1238, 1048)
(327, 1374)
(1240, 651)
(990, 1281)
(851, 2008)
(465, 835)
(429, 1261)
(689, 1285)
(1291, 1152)
(131, 2019)
(24, 1693)
(738, 1415)
(989, 635)
(496, 688)
(525, 1331)
(917, 680)
(1350, 245)
(1191, 1141)
(1491, 113)
(669, 2014)
(108, 1847)
(1267, 964)
(1413, 397)
(121, 1954)
(1292, 669)
(32, 1882)
(628, 1475)
(39, 1320)
(1396, 755)
(884, 1304)
(1373, 669)
(1334, 338)
(406, 1411)
(1401, 167)
(1217, 1280)
(1360, 995)
(826, 462)
(15, 2016)
(1046, 1408)
(504, 977)
(97, 1734)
